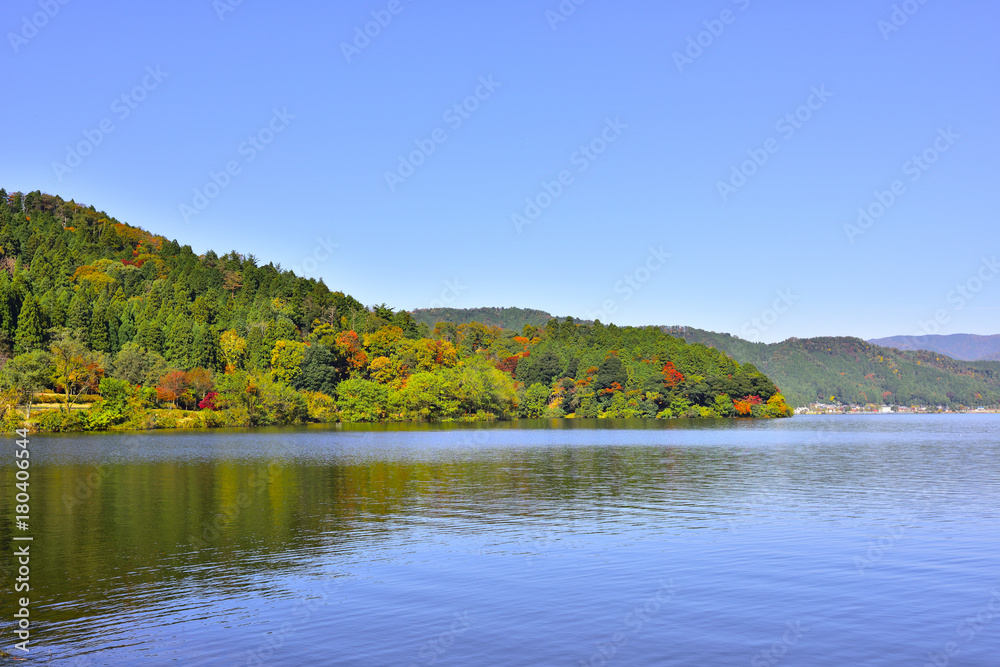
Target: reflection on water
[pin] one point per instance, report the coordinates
(827, 540)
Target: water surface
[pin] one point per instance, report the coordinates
(819, 540)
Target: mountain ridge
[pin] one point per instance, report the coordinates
(851, 370)
(964, 347)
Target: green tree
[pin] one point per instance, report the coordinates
(114, 407)
(80, 311)
(254, 399)
(205, 347)
(137, 365)
(610, 372)
(150, 335)
(362, 401)
(27, 374)
(179, 343)
(319, 372)
(535, 401)
(724, 406)
(100, 338)
(29, 327)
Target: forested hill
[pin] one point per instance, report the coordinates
(514, 319)
(850, 370)
(93, 306)
(968, 347)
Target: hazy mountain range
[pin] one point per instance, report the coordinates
(967, 347)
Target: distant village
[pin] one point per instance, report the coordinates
(871, 408)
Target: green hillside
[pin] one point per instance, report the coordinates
(148, 334)
(514, 319)
(850, 370)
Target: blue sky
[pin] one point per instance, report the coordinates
(819, 107)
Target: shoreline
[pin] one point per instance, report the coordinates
(526, 423)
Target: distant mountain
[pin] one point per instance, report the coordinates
(968, 347)
(850, 370)
(513, 319)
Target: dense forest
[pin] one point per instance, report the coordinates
(850, 370)
(148, 334)
(514, 319)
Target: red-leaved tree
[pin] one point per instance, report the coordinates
(172, 387)
(671, 376)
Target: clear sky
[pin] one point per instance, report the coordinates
(622, 122)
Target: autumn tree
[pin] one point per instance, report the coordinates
(75, 369)
(172, 387)
(383, 343)
(232, 281)
(349, 346)
(286, 360)
(233, 347)
(199, 380)
(671, 376)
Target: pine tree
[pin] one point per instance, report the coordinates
(79, 312)
(150, 335)
(29, 327)
(7, 320)
(204, 349)
(179, 341)
(126, 331)
(100, 339)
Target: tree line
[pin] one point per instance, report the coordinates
(151, 335)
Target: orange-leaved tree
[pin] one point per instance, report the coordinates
(349, 346)
(172, 387)
(671, 376)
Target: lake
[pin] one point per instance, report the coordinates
(817, 540)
